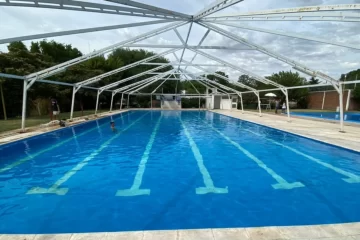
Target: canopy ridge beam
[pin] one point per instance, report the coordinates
(78, 31)
(215, 7)
(223, 77)
(151, 8)
(294, 64)
(90, 7)
(199, 44)
(185, 44)
(255, 76)
(292, 35)
(340, 12)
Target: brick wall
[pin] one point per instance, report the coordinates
(331, 101)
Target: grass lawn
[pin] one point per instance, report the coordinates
(15, 123)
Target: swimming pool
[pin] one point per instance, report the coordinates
(173, 170)
(349, 117)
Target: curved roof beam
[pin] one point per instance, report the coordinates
(311, 13)
(149, 7)
(292, 35)
(215, 7)
(141, 82)
(62, 66)
(123, 68)
(155, 79)
(225, 78)
(181, 46)
(296, 65)
(89, 7)
(206, 79)
(117, 83)
(78, 31)
(255, 76)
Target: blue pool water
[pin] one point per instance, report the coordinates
(349, 117)
(173, 170)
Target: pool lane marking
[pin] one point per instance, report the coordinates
(135, 190)
(54, 189)
(282, 183)
(352, 178)
(208, 182)
(23, 160)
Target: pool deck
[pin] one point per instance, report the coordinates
(348, 231)
(15, 135)
(324, 131)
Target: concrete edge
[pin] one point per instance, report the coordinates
(324, 231)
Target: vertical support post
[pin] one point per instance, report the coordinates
(72, 103)
(121, 101)
(128, 101)
(112, 100)
(199, 101)
(323, 102)
(348, 100)
(97, 101)
(259, 103)
(23, 115)
(287, 104)
(242, 104)
(151, 101)
(341, 103)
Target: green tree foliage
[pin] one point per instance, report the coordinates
(247, 80)
(313, 81)
(356, 93)
(290, 79)
(16, 47)
(350, 76)
(44, 54)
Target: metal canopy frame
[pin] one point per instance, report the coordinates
(204, 18)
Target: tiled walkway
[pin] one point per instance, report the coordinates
(324, 131)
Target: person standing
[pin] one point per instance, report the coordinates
(55, 109)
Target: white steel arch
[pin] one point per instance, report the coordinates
(204, 18)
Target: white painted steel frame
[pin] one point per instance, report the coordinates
(192, 46)
(90, 7)
(340, 12)
(288, 34)
(78, 31)
(343, 12)
(150, 7)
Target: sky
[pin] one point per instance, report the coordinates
(329, 59)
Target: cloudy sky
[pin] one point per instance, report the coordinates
(332, 60)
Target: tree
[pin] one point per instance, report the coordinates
(16, 47)
(35, 47)
(350, 76)
(356, 93)
(248, 81)
(290, 79)
(58, 52)
(313, 81)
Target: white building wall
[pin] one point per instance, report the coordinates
(225, 104)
